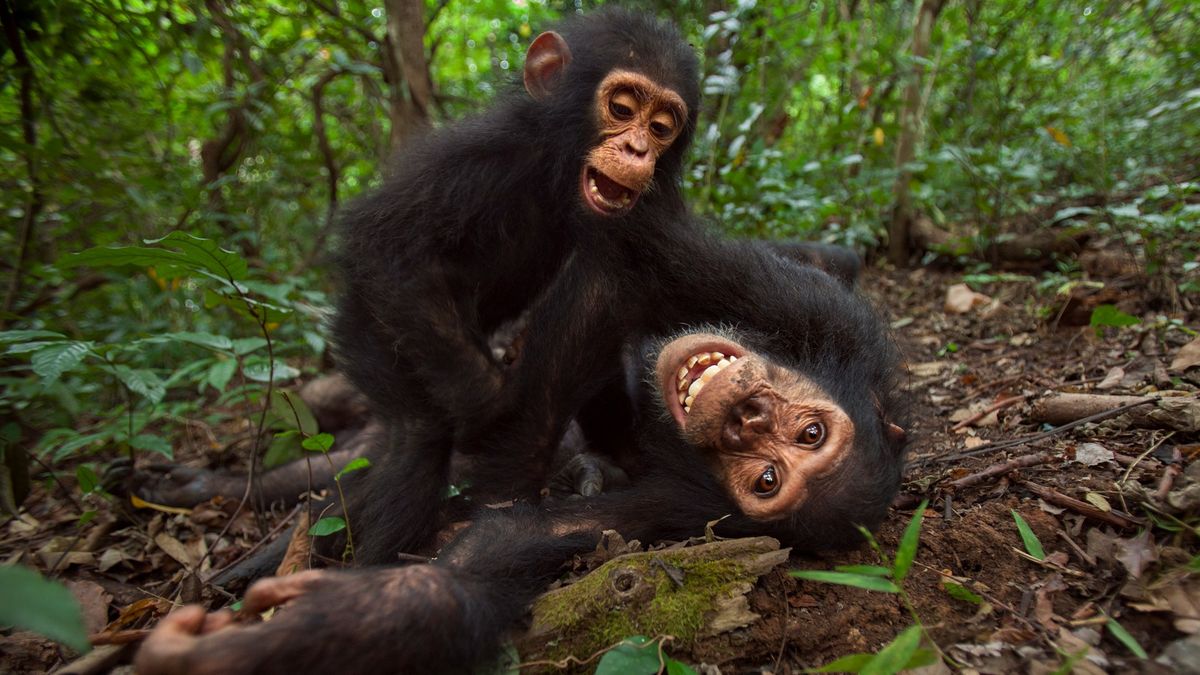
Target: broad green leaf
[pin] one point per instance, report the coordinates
(960, 592)
(50, 362)
(11, 336)
(220, 373)
(205, 254)
(327, 526)
(634, 656)
(354, 465)
(1118, 631)
(870, 583)
(243, 346)
(88, 480)
(1032, 546)
(259, 371)
(676, 668)
(318, 443)
(906, 552)
(142, 382)
(153, 443)
(285, 447)
(869, 570)
(851, 663)
(217, 342)
(1109, 315)
(293, 413)
(29, 601)
(895, 656)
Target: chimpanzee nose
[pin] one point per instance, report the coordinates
(747, 420)
(636, 146)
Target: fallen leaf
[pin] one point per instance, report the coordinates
(94, 601)
(960, 299)
(973, 442)
(1112, 378)
(1184, 600)
(1096, 499)
(1091, 454)
(1043, 608)
(1136, 553)
(174, 548)
(927, 369)
(1188, 356)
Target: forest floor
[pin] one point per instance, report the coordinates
(1115, 503)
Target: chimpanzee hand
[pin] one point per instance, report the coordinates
(587, 475)
(376, 620)
(170, 484)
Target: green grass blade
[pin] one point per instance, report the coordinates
(1032, 546)
(907, 551)
(856, 580)
(1118, 631)
(895, 656)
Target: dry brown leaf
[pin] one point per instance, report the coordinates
(928, 369)
(174, 548)
(973, 442)
(1184, 600)
(960, 299)
(94, 602)
(1188, 356)
(1112, 379)
(1136, 553)
(299, 548)
(1091, 454)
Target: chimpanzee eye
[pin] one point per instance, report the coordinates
(620, 110)
(767, 483)
(813, 435)
(661, 130)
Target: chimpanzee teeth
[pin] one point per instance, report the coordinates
(689, 389)
(612, 204)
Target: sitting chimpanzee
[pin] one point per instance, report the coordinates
(779, 417)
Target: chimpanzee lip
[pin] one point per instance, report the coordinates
(594, 186)
(690, 358)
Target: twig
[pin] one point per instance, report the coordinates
(1001, 469)
(257, 545)
(1075, 547)
(1168, 478)
(998, 405)
(120, 637)
(1034, 437)
(1112, 517)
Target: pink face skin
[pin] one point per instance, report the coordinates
(769, 430)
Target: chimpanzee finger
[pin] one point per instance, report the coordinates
(589, 479)
(215, 621)
(275, 591)
(167, 647)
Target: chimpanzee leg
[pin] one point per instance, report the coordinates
(395, 506)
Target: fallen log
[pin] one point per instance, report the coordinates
(1178, 413)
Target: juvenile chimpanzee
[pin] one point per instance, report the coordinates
(787, 426)
(470, 230)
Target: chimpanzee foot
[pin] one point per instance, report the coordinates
(170, 484)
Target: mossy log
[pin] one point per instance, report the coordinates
(687, 593)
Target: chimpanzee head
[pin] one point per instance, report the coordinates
(798, 427)
(622, 89)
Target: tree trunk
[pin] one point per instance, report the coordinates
(910, 135)
(406, 69)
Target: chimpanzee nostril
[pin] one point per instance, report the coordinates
(747, 419)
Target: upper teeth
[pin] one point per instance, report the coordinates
(687, 388)
(618, 204)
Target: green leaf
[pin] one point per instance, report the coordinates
(292, 412)
(243, 346)
(960, 592)
(869, 570)
(215, 342)
(327, 526)
(153, 443)
(11, 336)
(906, 552)
(870, 583)
(50, 362)
(1118, 631)
(318, 443)
(676, 668)
(220, 373)
(88, 480)
(259, 371)
(634, 656)
(1032, 546)
(895, 656)
(1109, 315)
(142, 382)
(354, 465)
(46, 607)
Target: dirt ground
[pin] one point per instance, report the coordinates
(1114, 502)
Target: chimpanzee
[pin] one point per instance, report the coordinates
(777, 412)
(470, 230)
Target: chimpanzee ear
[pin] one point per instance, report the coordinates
(545, 61)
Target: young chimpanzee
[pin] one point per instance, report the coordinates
(779, 416)
(470, 230)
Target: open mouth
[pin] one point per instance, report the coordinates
(605, 195)
(689, 364)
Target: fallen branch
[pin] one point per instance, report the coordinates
(1178, 413)
(998, 405)
(1032, 437)
(1000, 469)
(1112, 517)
